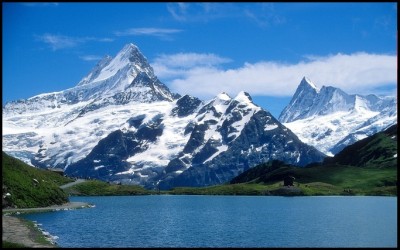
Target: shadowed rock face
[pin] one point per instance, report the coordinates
(255, 145)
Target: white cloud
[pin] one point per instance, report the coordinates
(354, 73)
(157, 32)
(57, 42)
(189, 60)
(182, 64)
(90, 58)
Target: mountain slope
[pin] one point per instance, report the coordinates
(49, 128)
(329, 119)
(24, 186)
(367, 167)
(242, 135)
(120, 123)
(378, 150)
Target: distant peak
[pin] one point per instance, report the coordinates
(243, 97)
(131, 55)
(128, 50)
(130, 46)
(307, 82)
(223, 96)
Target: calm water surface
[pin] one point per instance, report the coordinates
(225, 221)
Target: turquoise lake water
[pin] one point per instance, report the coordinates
(225, 221)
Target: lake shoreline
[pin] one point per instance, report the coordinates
(65, 206)
(16, 230)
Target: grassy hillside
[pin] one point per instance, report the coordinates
(30, 187)
(314, 180)
(96, 187)
(376, 151)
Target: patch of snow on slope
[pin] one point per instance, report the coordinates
(314, 130)
(270, 127)
(220, 149)
(169, 144)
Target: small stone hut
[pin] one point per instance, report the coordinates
(288, 180)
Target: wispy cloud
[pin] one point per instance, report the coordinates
(199, 11)
(188, 60)
(263, 14)
(383, 22)
(178, 11)
(355, 73)
(178, 65)
(39, 4)
(57, 42)
(157, 32)
(90, 58)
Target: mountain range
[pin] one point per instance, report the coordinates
(330, 119)
(121, 124)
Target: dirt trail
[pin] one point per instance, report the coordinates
(16, 231)
(72, 183)
(69, 205)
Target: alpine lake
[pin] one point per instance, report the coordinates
(224, 221)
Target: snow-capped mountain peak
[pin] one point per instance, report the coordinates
(306, 82)
(129, 60)
(113, 75)
(330, 119)
(127, 77)
(223, 97)
(302, 101)
(244, 97)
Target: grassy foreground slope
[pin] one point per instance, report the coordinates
(26, 187)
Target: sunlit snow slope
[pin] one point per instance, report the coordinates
(330, 119)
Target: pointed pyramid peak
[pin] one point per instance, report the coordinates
(305, 82)
(131, 55)
(130, 46)
(130, 51)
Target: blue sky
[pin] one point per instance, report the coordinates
(203, 49)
